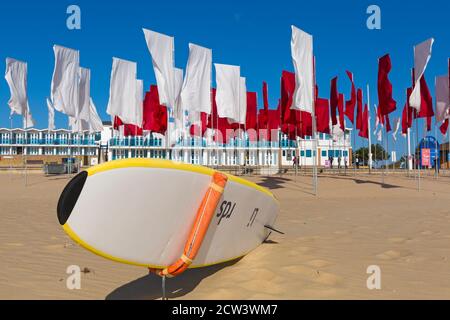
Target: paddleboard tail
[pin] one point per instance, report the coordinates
(198, 232)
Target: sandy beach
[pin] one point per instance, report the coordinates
(356, 221)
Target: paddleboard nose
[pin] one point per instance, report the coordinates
(69, 197)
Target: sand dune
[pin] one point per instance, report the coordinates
(355, 222)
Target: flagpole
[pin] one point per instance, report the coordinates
(408, 136)
(419, 156)
(354, 146)
(384, 153)
(24, 147)
(314, 129)
(10, 142)
(280, 134)
(370, 131)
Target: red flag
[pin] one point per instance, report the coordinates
(263, 118)
(380, 116)
(444, 127)
(359, 111)
(341, 111)
(250, 122)
(305, 126)
(364, 132)
(198, 130)
(265, 96)
(386, 102)
(273, 123)
(323, 115)
(289, 130)
(388, 123)
(334, 100)
(128, 129)
(350, 104)
(132, 130)
(155, 114)
(426, 104)
(288, 116)
(407, 114)
(117, 123)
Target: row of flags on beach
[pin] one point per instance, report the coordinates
(185, 103)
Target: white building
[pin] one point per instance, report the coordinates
(43, 146)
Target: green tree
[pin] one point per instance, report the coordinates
(378, 153)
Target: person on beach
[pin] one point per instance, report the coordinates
(339, 162)
(330, 159)
(357, 162)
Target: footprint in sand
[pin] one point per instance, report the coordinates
(427, 233)
(393, 254)
(313, 274)
(317, 263)
(298, 270)
(327, 278)
(398, 240)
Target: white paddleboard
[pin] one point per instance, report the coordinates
(141, 211)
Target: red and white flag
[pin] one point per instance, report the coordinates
(422, 54)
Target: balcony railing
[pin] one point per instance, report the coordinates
(52, 142)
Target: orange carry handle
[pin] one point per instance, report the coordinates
(203, 219)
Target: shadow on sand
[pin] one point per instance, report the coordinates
(361, 181)
(149, 286)
(273, 183)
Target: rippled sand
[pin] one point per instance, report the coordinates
(355, 222)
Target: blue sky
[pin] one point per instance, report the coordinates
(252, 34)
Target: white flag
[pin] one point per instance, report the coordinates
(196, 92)
(78, 125)
(84, 94)
(242, 111)
(161, 49)
(64, 87)
(396, 128)
(303, 60)
(442, 97)
(422, 54)
(139, 102)
(51, 115)
(228, 90)
(122, 92)
(380, 135)
(336, 130)
(177, 110)
(95, 123)
(16, 77)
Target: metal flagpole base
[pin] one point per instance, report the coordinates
(163, 287)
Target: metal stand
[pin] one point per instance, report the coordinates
(163, 287)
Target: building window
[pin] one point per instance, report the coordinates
(324, 153)
(308, 153)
